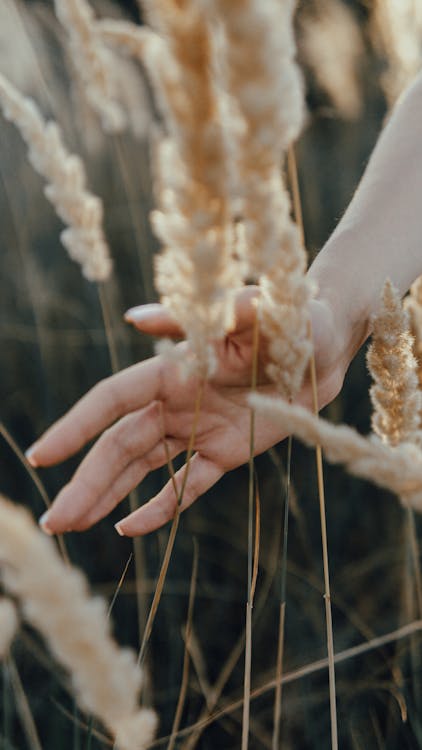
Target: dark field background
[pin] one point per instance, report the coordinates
(53, 348)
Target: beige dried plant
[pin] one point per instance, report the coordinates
(66, 183)
(398, 469)
(395, 395)
(8, 625)
(266, 87)
(54, 598)
(195, 273)
(397, 31)
(94, 63)
(413, 305)
(331, 45)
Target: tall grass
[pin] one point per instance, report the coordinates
(237, 670)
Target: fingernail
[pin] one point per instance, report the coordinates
(30, 458)
(43, 523)
(141, 313)
(119, 529)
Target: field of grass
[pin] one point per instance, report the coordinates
(55, 347)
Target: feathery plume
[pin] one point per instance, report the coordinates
(8, 625)
(55, 600)
(397, 31)
(395, 395)
(66, 189)
(93, 62)
(195, 273)
(331, 44)
(413, 305)
(268, 92)
(398, 469)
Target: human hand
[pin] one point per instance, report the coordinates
(143, 409)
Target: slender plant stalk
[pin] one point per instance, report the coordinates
(186, 654)
(415, 554)
(214, 692)
(119, 586)
(249, 603)
(6, 704)
(327, 594)
(90, 726)
(25, 713)
(289, 677)
(412, 540)
(138, 547)
(173, 530)
(36, 480)
(282, 613)
(140, 230)
(297, 207)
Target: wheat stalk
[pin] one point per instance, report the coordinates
(66, 183)
(54, 599)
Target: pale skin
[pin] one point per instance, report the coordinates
(136, 411)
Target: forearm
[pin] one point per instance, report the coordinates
(380, 235)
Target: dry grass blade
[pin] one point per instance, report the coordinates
(25, 713)
(251, 561)
(173, 530)
(342, 656)
(282, 613)
(297, 207)
(35, 478)
(188, 632)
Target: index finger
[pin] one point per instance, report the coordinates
(107, 401)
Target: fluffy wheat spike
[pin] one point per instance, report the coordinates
(93, 62)
(195, 273)
(66, 189)
(413, 305)
(395, 395)
(55, 600)
(331, 44)
(397, 30)
(398, 469)
(8, 625)
(267, 89)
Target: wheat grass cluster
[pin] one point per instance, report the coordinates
(93, 62)
(195, 273)
(66, 183)
(397, 469)
(395, 394)
(54, 599)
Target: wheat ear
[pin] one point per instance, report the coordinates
(55, 600)
(66, 183)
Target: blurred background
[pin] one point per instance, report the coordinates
(356, 58)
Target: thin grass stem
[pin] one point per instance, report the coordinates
(186, 654)
(173, 530)
(140, 230)
(282, 612)
(250, 588)
(327, 594)
(137, 544)
(297, 208)
(36, 480)
(24, 710)
(309, 669)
